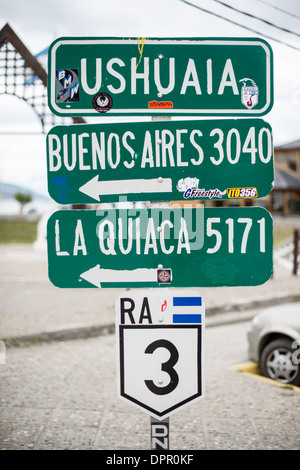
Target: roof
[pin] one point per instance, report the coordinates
(8, 35)
(286, 181)
(290, 146)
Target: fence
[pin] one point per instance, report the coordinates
(296, 251)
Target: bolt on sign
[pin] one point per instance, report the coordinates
(160, 349)
(170, 160)
(178, 247)
(160, 76)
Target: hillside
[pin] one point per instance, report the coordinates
(7, 191)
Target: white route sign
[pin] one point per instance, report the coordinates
(160, 349)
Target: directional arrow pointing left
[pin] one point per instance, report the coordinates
(95, 188)
(97, 275)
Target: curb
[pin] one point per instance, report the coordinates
(60, 335)
(253, 304)
(101, 330)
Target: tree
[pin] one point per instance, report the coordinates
(23, 199)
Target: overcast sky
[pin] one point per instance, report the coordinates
(39, 22)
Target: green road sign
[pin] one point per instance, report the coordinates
(160, 160)
(160, 76)
(160, 247)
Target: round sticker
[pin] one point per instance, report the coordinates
(164, 276)
(102, 102)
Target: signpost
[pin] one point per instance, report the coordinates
(160, 331)
(159, 433)
(160, 76)
(180, 247)
(160, 160)
(160, 350)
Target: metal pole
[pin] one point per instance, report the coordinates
(296, 251)
(159, 429)
(159, 434)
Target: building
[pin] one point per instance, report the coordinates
(285, 196)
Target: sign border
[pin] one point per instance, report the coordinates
(121, 376)
(163, 41)
(82, 185)
(89, 267)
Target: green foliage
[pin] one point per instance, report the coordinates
(23, 199)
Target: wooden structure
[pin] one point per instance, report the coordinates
(22, 75)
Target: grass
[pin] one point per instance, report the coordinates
(17, 231)
(21, 231)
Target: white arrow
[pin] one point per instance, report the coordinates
(95, 188)
(96, 275)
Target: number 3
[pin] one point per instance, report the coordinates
(166, 367)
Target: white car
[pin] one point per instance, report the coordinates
(274, 342)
